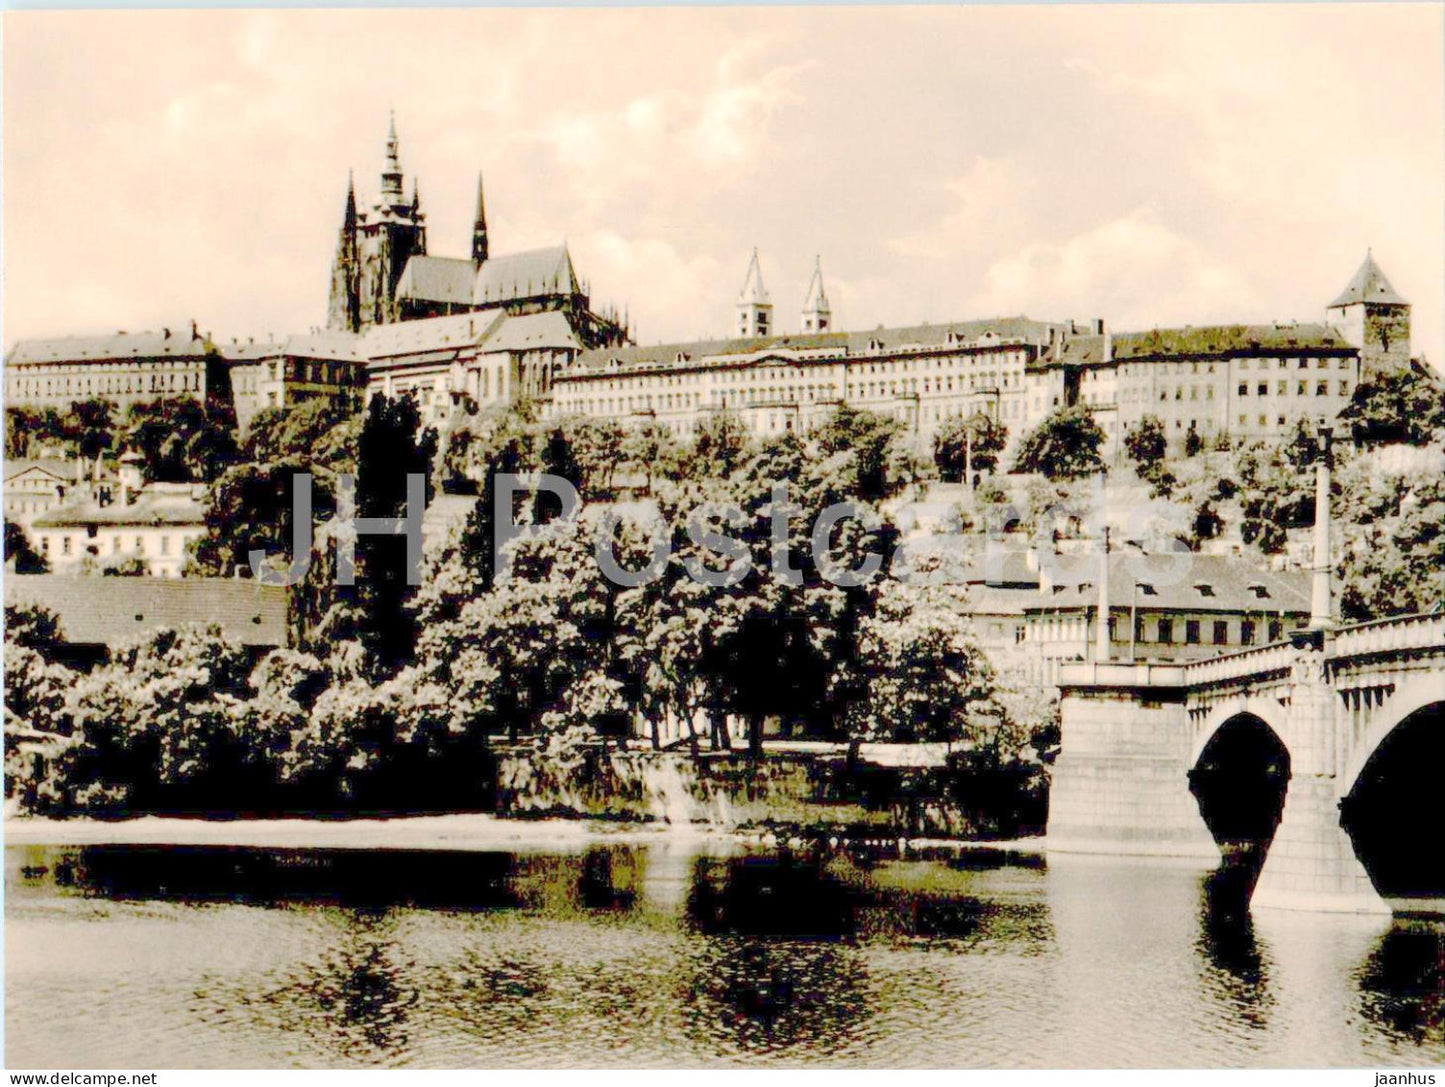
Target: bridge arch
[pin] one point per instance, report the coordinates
(1409, 698)
(1267, 709)
(1392, 807)
(1239, 778)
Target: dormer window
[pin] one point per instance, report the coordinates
(1204, 588)
(1147, 589)
(1260, 591)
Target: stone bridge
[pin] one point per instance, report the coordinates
(1319, 760)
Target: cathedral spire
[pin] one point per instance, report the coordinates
(391, 179)
(817, 314)
(479, 226)
(344, 309)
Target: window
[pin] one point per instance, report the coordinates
(165, 545)
(1246, 632)
(1191, 631)
(65, 545)
(1221, 632)
(1244, 388)
(1166, 631)
(1138, 628)
(1276, 630)
(1263, 389)
(1322, 389)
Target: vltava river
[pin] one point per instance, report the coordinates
(694, 954)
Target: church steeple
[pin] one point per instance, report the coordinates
(344, 309)
(391, 178)
(817, 314)
(755, 308)
(479, 226)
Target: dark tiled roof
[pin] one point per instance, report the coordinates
(438, 279)
(1010, 329)
(533, 331)
(525, 275)
(148, 509)
(1225, 340)
(1369, 285)
(1179, 581)
(114, 610)
(451, 333)
(176, 342)
(1086, 349)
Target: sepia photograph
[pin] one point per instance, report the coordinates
(846, 536)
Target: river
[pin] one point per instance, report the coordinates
(698, 951)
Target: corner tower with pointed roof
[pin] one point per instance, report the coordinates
(755, 308)
(1372, 316)
(817, 314)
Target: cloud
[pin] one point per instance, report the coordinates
(1135, 271)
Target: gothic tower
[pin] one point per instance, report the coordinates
(388, 237)
(817, 314)
(479, 227)
(1373, 317)
(755, 308)
(344, 310)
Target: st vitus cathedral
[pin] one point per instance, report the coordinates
(383, 274)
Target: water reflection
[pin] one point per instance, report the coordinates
(690, 954)
(1235, 969)
(1402, 982)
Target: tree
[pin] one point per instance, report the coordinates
(251, 504)
(1397, 571)
(392, 447)
(721, 445)
(18, 550)
(90, 427)
(927, 679)
(650, 449)
(978, 438)
(866, 436)
(1193, 443)
(557, 460)
(1146, 445)
(179, 440)
(597, 447)
(1064, 446)
(1406, 405)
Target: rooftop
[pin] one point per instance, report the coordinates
(1226, 340)
(997, 330)
(1369, 285)
(1176, 581)
(156, 508)
(181, 341)
(525, 275)
(114, 610)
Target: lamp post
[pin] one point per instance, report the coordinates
(1321, 612)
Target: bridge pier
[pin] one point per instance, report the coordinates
(1311, 864)
(1119, 783)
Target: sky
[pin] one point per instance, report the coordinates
(1152, 165)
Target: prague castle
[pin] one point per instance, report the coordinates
(494, 329)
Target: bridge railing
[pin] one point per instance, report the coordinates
(1397, 634)
(1245, 663)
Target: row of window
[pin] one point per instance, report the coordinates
(117, 544)
(1165, 629)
